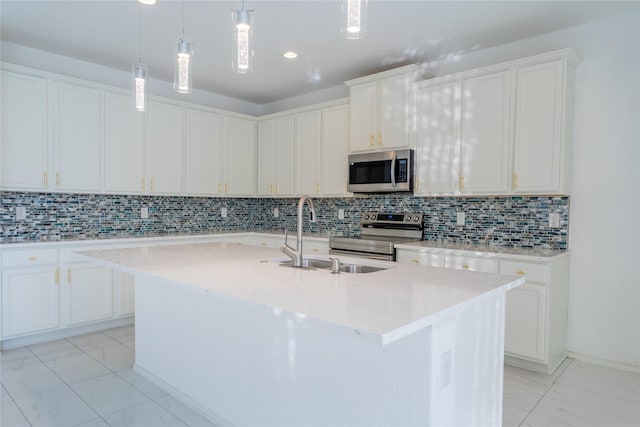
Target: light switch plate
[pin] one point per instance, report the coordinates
(223, 212)
(460, 218)
(554, 220)
(276, 213)
(144, 213)
(340, 213)
(21, 212)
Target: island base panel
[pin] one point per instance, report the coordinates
(252, 364)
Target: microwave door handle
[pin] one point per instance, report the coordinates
(393, 170)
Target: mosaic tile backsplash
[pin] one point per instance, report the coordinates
(510, 221)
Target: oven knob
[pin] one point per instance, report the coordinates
(416, 218)
(366, 217)
(373, 217)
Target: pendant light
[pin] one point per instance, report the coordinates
(140, 73)
(354, 19)
(242, 56)
(182, 81)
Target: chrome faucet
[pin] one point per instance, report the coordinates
(296, 255)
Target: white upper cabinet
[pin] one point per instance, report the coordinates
(335, 150)
(165, 148)
(308, 152)
(275, 156)
(381, 109)
(123, 145)
(204, 138)
(485, 139)
(542, 153)
(437, 139)
(24, 132)
(240, 154)
(77, 137)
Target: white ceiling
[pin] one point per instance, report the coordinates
(399, 32)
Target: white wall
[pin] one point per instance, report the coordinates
(604, 236)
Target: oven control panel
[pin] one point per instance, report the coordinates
(391, 218)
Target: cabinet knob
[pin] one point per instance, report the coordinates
(142, 184)
(226, 188)
(32, 258)
(68, 275)
(263, 244)
(45, 179)
(315, 250)
(151, 184)
(515, 181)
(461, 182)
(219, 188)
(379, 139)
(520, 272)
(415, 261)
(372, 140)
(465, 266)
(56, 276)
(58, 179)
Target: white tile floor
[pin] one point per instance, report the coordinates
(89, 381)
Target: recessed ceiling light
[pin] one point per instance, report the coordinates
(147, 1)
(290, 55)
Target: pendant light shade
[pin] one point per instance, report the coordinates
(182, 70)
(354, 19)
(140, 72)
(242, 56)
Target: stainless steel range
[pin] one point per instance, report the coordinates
(380, 231)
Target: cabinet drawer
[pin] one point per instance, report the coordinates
(532, 271)
(311, 247)
(420, 257)
(26, 257)
(460, 262)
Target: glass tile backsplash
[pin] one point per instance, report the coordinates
(510, 221)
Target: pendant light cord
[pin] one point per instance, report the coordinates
(183, 19)
(140, 33)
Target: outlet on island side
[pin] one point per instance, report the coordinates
(460, 218)
(554, 220)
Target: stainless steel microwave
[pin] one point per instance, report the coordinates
(381, 171)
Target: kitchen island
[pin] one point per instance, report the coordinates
(246, 341)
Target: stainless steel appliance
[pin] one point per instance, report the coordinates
(380, 232)
(381, 172)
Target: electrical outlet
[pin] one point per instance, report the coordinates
(144, 213)
(21, 212)
(445, 368)
(460, 218)
(340, 213)
(223, 212)
(276, 213)
(554, 220)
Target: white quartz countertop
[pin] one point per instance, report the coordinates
(381, 307)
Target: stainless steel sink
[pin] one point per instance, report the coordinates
(312, 264)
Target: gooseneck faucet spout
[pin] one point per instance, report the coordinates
(296, 254)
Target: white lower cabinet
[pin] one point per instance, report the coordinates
(536, 312)
(89, 293)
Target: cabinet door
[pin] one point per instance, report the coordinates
(437, 143)
(240, 157)
(335, 150)
(284, 158)
(125, 294)
(525, 321)
(538, 128)
(165, 144)
(266, 157)
(203, 152)
(24, 152)
(395, 116)
(485, 134)
(77, 137)
(308, 152)
(89, 293)
(30, 300)
(363, 112)
(124, 142)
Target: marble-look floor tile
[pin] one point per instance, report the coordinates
(577, 415)
(528, 381)
(11, 416)
(128, 341)
(612, 382)
(54, 349)
(30, 380)
(60, 407)
(144, 414)
(512, 417)
(115, 356)
(97, 422)
(77, 367)
(516, 397)
(121, 332)
(91, 340)
(187, 415)
(141, 384)
(534, 420)
(108, 394)
(17, 358)
(596, 401)
(6, 397)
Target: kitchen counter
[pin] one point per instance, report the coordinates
(224, 327)
(482, 249)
